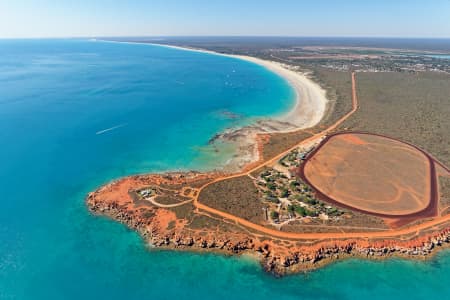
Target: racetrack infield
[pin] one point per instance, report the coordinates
(373, 174)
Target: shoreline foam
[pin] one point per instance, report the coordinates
(165, 229)
(309, 108)
(310, 98)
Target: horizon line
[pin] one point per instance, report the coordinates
(225, 36)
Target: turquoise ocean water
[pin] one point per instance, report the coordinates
(75, 114)
(440, 56)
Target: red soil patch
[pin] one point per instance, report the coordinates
(374, 174)
(261, 140)
(353, 139)
(164, 217)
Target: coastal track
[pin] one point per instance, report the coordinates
(152, 201)
(314, 138)
(309, 236)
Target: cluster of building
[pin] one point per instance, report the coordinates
(364, 60)
(287, 197)
(147, 193)
(409, 64)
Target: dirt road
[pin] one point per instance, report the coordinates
(309, 236)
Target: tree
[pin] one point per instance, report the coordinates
(311, 201)
(299, 210)
(284, 193)
(311, 213)
(293, 185)
(291, 208)
(271, 186)
(273, 199)
(274, 215)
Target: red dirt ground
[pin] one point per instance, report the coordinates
(373, 174)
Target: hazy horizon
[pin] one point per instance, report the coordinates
(288, 18)
(230, 36)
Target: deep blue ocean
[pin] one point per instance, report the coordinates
(75, 114)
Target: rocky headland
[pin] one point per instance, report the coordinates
(184, 227)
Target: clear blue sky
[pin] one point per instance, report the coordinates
(63, 18)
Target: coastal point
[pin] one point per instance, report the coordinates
(309, 191)
(184, 150)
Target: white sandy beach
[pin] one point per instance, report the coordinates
(310, 102)
(308, 109)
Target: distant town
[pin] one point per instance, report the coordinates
(363, 59)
